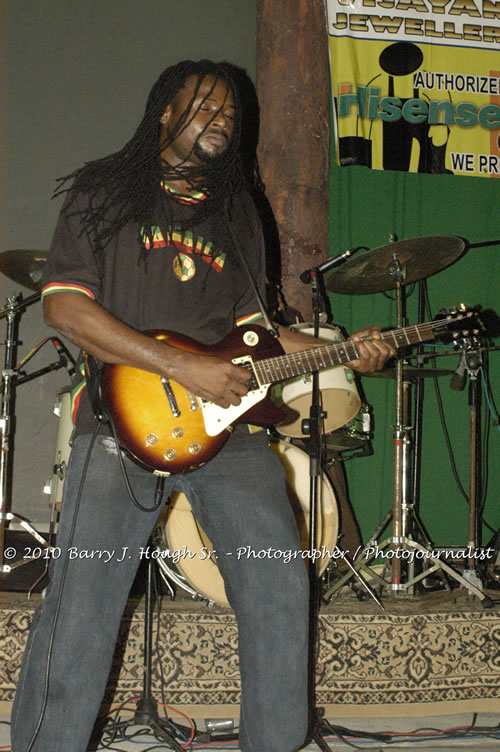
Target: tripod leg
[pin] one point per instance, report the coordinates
(360, 560)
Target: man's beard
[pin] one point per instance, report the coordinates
(203, 154)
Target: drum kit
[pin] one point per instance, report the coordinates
(347, 426)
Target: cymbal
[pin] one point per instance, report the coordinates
(24, 267)
(411, 373)
(420, 257)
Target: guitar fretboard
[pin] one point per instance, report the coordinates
(282, 367)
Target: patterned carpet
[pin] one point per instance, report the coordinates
(439, 651)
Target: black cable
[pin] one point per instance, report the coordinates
(485, 473)
(442, 418)
(484, 448)
(133, 498)
(61, 589)
(340, 732)
(447, 439)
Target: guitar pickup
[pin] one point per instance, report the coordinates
(170, 397)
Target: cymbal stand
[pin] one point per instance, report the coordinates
(401, 541)
(401, 544)
(12, 312)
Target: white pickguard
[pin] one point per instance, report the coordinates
(218, 418)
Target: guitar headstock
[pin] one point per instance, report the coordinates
(459, 326)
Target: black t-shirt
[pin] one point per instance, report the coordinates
(188, 280)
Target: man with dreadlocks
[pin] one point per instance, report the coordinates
(145, 241)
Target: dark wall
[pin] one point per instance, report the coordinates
(74, 79)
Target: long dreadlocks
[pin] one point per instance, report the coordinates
(126, 186)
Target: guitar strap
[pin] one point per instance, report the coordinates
(241, 256)
(93, 380)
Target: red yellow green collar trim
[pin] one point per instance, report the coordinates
(184, 198)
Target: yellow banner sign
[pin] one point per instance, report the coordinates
(416, 84)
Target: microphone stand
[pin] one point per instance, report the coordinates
(146, 713)
(313, 428)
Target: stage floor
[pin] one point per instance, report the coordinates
(436, 654)
(139, 738)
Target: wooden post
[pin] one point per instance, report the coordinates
(293, 86)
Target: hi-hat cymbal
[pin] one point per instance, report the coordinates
(24, 267)
(411, 373)
(420, 257)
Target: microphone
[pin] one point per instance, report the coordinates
(307, 275)
(65, 356)
(457, 382)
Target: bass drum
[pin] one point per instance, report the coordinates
(190, 547)
(339, 394)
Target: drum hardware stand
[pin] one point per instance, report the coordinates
(402, 509)
(472, 363)
(12, 312)
(402, 513)
(11, 379)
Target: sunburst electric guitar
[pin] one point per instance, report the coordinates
(168, 429)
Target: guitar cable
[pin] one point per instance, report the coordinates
(155, 507)
(102, 415)
(61, 590)
(159, 485)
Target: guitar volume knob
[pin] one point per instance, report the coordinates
(194, 448)
(177, 432)
(151, 439)
(170, 455)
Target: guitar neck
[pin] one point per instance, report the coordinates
(282, 367)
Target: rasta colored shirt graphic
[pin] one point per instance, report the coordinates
(187, 281)
(185, 244)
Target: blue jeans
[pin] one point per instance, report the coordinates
(239, 498)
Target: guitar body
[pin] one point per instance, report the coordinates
(145, 421)
(169, 430)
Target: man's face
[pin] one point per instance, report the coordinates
(207, 128)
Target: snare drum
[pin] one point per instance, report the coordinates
(185, 536)
(339, 394)
(354, 434)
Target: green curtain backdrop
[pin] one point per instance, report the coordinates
(365, 207)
